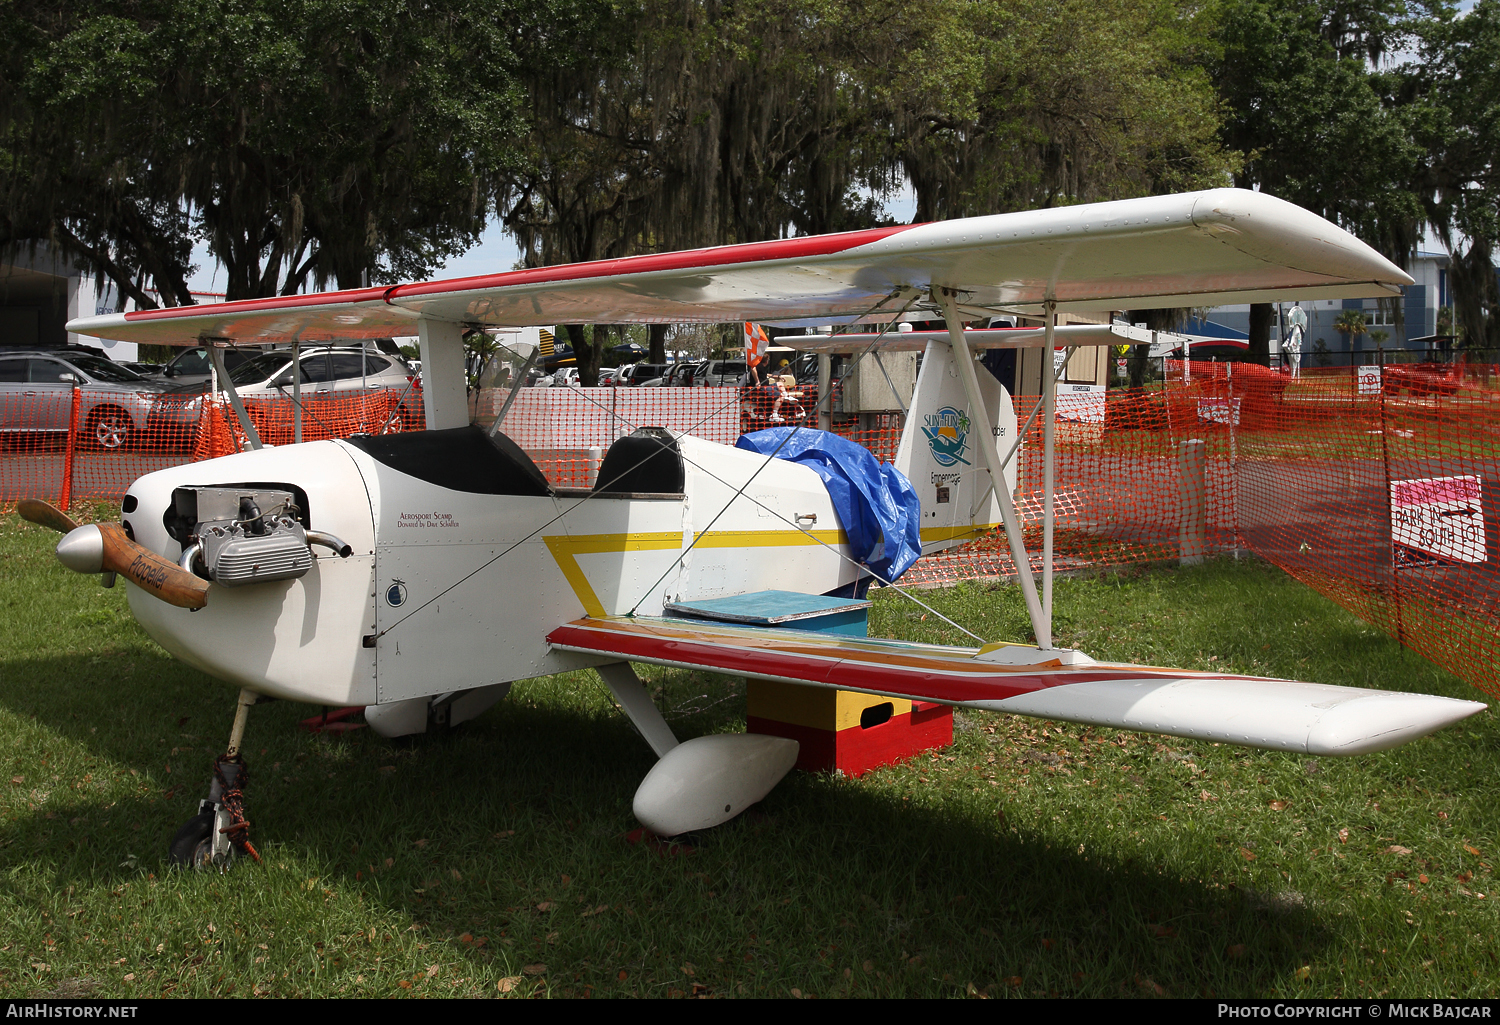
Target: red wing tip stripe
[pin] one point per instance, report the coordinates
(716, 256)
(242, 306)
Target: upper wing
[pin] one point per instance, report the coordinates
(1279, 714)
(1195, 249)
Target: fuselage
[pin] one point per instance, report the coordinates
(448, 588)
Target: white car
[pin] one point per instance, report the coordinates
(720, 373)
(327, 372)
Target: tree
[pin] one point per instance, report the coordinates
(1455, 87)
(1317, 123)
(1352, 324)
(1011, 106)
(305, 142)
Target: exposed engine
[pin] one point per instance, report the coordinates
(243, 535)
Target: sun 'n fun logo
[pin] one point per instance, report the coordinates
(947, 433)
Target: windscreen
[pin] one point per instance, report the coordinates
(261, 368)
(105, 370)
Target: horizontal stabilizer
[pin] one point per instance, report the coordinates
(1282, 715)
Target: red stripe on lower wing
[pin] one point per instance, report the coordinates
(849, 669)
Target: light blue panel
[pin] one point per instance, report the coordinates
(785, 610)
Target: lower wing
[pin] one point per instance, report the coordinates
(1282, 715)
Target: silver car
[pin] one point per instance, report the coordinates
(36, 396)
(327, 372)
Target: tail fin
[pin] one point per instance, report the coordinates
(938, 455)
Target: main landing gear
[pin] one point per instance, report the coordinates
(219, 831)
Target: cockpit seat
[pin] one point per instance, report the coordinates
(646, 462)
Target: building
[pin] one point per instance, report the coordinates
(1413, 330)
(40, 291)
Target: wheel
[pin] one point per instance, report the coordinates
(192, 847)
(109, 428)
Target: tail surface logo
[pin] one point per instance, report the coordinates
(947, 433)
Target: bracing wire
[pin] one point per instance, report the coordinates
(738, 494)
(789, 436)
(842, 555)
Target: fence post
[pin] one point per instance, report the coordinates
(66, 498)
(825, 392)
(595, 456)
(1192, 523)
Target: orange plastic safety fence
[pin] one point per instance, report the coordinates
(84, 444)
(1377, 491)
(217, 431)
(1369, 484)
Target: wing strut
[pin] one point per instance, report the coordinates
(963, 361)
(216, 353)
(1049, 468)
(628, 690)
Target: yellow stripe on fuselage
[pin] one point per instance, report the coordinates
(566, 548)
(952, 533)
(769, 538)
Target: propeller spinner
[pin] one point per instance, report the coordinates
(106, 548)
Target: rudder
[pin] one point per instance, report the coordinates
(938, 454)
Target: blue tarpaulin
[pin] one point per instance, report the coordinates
(872, 501)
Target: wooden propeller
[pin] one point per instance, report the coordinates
(117, 553)
(44, 515)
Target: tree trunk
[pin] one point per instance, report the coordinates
(575, 339)
(1471, 277)
(1260, 333)
(658, 344)
(591, 356)
(1139, 359)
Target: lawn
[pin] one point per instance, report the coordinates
(1031, 858)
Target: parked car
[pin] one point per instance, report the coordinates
(327, 372)
(36, 395)
(691, 371)
(638, 374)
(191, 366)
(676, 374)
(720, 373)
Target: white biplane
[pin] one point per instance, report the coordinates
(421, 574)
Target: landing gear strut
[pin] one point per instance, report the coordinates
(219, 831)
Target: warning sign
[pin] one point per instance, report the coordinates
(1081, 403)
(1219, 411)
(1437, 520)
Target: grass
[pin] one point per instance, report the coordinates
(1030, 858)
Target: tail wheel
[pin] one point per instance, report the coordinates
(109, 428)
(192, 847)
